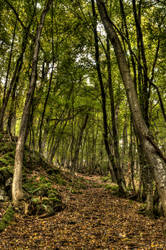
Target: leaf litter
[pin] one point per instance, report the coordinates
(92, 219)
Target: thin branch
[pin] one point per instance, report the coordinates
(16, 14)
(160, 99)
(155, 60)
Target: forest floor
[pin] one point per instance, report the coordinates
(92, 219)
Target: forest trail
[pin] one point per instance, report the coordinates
(92, 219)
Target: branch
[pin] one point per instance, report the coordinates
(158, 151)
(160, 99)
(79, 110)
(155, 60)
(16, 14)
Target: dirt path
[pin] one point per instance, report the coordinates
(92, 219)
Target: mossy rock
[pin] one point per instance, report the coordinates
(7, 218)
(45, 200)
(40, 195)
(44, 206)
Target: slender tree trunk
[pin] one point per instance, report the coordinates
(12, 111)
(16, 74)
(103, 96)
(55, 146)
(17, 192)
(145, 94)
(9, 63)
(113, 115)
(144, 101)
(76, 155)
(131, 156)
(49, 89)
(153, 154)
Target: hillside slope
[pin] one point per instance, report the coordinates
(62, 211)
(42, 183)
(92, 219)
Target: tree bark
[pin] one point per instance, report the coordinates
(77, 150)
(16, 74)
(17, 192)
(111, 158)
(113, 115)
(49, 89)
(153, 154)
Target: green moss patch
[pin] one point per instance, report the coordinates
(41, 197)
(44, 198)
(7, 218)
(44, 206)
(113, 188)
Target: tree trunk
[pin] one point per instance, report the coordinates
(9, 63)
(17, 192)
(111, 158)
(55, 145)
(131, 156)
(77, 150)
(153, 154)
(113, 115)
(16, 74)
(49, 89)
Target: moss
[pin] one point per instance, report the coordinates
(35, 200)
(80, 185)
(41, 196)
(40, 187)
(7, 218)
(106, 178)
(59, 180)
(45, 200)
(6, 171)
(7, 147)
(3, 161)
(112, 188)
(7, 158)
(1, 136)
(73, 191)
(44, 205)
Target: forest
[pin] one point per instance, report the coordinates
(82, 122)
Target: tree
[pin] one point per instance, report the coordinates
(153, 154)
(17, 193)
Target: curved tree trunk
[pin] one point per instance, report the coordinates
(17, 193)
(153, 154)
